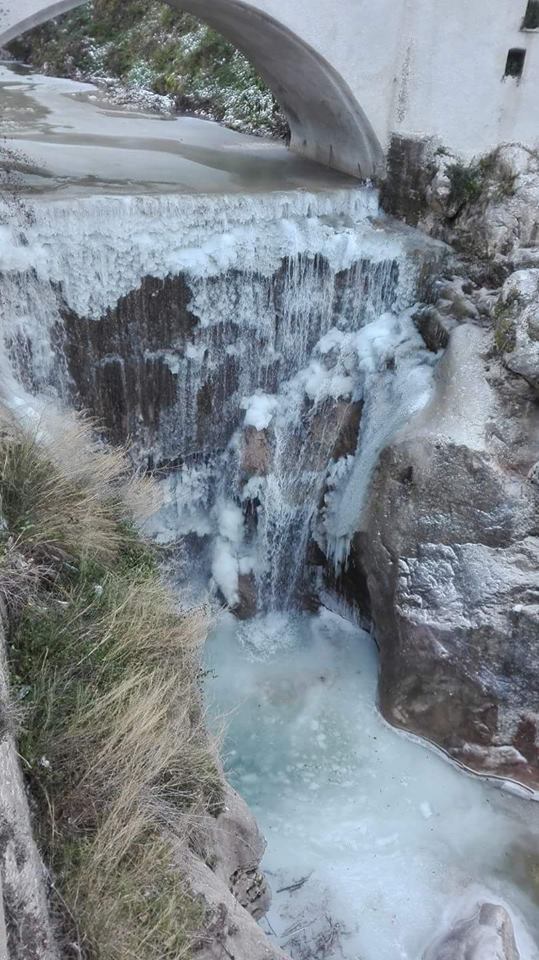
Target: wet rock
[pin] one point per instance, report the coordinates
(487, 935)
(247, 603)
(256, 453)
(349, 583)
(347, 421)
(124, 366)
(152, 374)
(432, 327)
(329, 432)
(451, 556)
(404, 192)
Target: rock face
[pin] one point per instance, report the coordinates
(25, 927)
(487, 935)
(501, 225)
(450, 544)
(256, 452)
(451, 554)
(168, 366)
(517, 329)
(233, 888)
(486, 209)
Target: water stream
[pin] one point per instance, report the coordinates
(394, 841)
(245, 319)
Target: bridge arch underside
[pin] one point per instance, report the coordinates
(326, 122)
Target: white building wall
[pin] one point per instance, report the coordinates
(455, 87)
(429, 67)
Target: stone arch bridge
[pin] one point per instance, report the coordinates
(353, 74)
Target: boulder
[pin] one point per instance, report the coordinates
(450, 551)
(517, 328)
(487, 935)
(225, 874)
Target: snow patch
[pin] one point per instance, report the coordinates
(259, 410)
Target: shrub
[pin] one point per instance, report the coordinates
(161, 49)
(481, 179)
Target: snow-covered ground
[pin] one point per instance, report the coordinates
(393, 840)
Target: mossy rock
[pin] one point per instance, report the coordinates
(505, 333)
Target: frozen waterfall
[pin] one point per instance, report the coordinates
(235, 342)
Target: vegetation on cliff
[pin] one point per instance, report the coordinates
(105, 685)
(149, 46)
(482, 180)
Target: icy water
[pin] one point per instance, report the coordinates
(69, 139)
(379, 840)
(392, 839)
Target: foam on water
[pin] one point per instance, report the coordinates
(393, 840)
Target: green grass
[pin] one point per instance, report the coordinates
(106, 670)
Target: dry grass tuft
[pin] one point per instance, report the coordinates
(114, 742)
(63, 492)
(20, 576)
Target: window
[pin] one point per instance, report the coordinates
(515, 63)
(531, 17)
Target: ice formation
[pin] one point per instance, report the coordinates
(301, 296)
(389, 839)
